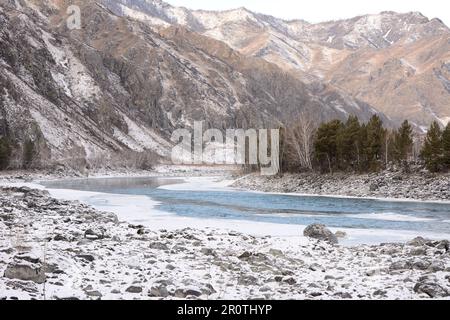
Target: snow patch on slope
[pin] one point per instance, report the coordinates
(141, 16)
(140, 138)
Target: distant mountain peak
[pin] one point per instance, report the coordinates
(350, 53)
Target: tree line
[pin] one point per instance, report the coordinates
(332, 146)
(356, 146)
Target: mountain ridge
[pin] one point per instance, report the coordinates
(118, 85)
(313, 52)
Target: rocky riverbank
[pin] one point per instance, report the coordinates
(20, 176)
(396, 185)
(53, 249)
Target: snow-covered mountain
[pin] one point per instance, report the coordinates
(396, 62)
(118, 84)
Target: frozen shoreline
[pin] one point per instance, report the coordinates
(142, 210)
(384, 186)
(159, 255)
(79, 252)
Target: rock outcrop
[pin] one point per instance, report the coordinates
(320, 232)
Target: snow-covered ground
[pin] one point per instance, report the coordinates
(86, 254)
(54, 249)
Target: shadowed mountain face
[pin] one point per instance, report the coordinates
(119, 84)
(397, 63)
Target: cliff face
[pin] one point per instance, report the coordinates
(119, 84)
(396, 62)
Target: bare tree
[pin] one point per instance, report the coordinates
(301, 138)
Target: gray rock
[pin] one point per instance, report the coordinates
(400, 265)
(208, 252)
(343, 295)
(431, 288)
(183, 293)
(84, 242)
(158, 246)
(276, 252)
(443, 245)
(320, 232)
(25, 272)
(291, 281)
(421, 265)
(86, 257)
(95, 294)
(159, 291)
(380, 293)
(247, 280)
(170, 267)
(421, 251)
(316, 267)
(418, 242)
(245, 256)
(208, 290)
(60, 237)
(265, 289)
(94, 235)
(28, 257)
(436, 266)
(341, 234)
(134, 289)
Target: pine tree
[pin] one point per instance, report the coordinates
(375, 142)
(350, 144)
(389, 148)
(363, 166)
(446, 147)
(403, 143)
(5, 153)
(432, 151)
(326, 144)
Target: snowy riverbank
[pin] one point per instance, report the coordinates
(384, 185)
(54, 247)
(58, 249)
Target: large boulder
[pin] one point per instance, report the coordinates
(431, 288)
(25, 271)
(320, 232)
(418, 242)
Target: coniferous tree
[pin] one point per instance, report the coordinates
(403, 143)
(389, 149)
(432, 151)
(446, 146)
(363, 139)
(326, 144)
(350, 144)
(375, 142)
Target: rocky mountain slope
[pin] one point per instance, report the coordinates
(117, 84)
(399, 63)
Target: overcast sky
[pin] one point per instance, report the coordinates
(324, 10)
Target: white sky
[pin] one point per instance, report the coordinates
(324, 10)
